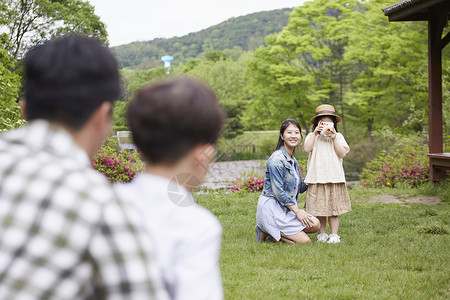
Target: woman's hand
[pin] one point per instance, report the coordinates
(304, 218)
(301, 215)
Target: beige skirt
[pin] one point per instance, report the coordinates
(329, 199)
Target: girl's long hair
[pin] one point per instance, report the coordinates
(283, 127)
(317, 120)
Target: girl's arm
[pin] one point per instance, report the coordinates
(309, 143)
(340, 150)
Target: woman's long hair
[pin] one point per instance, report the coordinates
(283, 127)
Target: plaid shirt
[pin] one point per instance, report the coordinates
(63, 233)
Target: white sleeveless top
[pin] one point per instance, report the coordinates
(324, 165)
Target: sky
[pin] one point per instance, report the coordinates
(143, 20)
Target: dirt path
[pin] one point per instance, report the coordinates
(221, 174)
(404, 200)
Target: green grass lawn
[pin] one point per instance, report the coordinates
(388, 251)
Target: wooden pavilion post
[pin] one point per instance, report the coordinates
(436, 13)
(437, 18)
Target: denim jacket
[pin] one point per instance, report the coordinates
(279, 182)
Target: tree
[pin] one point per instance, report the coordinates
(279, 87)
(136, 79)
(131, 81)
(31, 22)
(26, 23)
(341, 52)
(389, 62)
(306, 65)
(226, 78)
(10, 113)
(317, 33)
(215, 56)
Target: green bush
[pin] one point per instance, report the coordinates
(405, 163)
(10, 117)
(116, 164)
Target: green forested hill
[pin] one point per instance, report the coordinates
(240, 34)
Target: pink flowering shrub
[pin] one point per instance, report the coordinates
(248, 182)
(303, 167)
(116, 164)
(406, 163)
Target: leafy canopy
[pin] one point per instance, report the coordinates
(30, 22)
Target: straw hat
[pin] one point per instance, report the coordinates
(325, 110)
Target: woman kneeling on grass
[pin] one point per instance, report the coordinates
(278, 214)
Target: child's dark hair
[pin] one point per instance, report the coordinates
(169, 118)
(285, 124)
(317, 120)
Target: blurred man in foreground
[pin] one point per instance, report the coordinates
(63, 233)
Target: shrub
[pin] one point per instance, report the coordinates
(248, 182)
(10, 117)
(116, 164)
(406, 162)
(252, 182)
(303, 167)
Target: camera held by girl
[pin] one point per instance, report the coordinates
(327, 196)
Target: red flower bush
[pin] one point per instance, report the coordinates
(248, 182)
(116, 164)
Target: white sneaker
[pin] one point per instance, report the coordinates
(322, 237)
(334, 239)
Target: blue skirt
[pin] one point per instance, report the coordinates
(273, 218)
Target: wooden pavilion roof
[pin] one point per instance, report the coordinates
(412, 10)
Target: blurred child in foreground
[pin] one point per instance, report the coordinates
(175, 125)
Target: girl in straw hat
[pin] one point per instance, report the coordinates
(327, 195)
